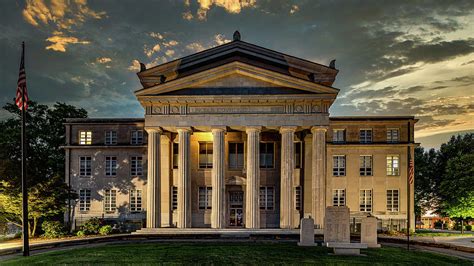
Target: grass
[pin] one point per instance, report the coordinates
(431, 233)
(229, 253)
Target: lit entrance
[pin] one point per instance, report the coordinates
(236, 207)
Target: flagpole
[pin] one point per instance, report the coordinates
(24, 187)
(408, 187)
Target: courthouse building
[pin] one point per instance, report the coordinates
(238, 136)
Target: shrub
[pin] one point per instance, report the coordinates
(53, 229)
(105, 230)
(91, 227)
(80, 233)
(468, 227)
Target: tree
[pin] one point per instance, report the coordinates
(45, 162)
(425, 184)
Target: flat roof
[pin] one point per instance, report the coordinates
(371, 118)
(103, 120)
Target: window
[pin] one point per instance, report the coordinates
(205, 154)
(135, 200)
(205, 198)
(298, 155)
(365, 200)
(266, 198)
(85, 137)
(339, 165)
(298, 198)
(338, 197)
(84, 200)
(174, 198)
(236, 155)
(365, 135)
(392, 200)
(85, 166)
(110, 165)
(110, 137)
(136, 167)
(137, 137)
(393, 135)
(175, 155)
(339, 135)
(365, 167)
(110, 200)
(393, 165)
(267, 154)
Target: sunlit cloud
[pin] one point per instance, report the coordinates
(231, 6)
(104, 60)
(294, 9)
(169, 53)
(150, 51)
(195, 47)
(135, 66)
(59, 43)
(61, 17)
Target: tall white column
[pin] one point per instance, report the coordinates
(184, 178)
(287, 200)
(153, 210)
(252, 208)
(218, 186)
(318, 172)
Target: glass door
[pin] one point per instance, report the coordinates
(236, 204)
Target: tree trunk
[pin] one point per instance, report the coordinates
(462, 226)
(35, 221)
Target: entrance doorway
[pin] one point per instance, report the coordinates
(236, 208)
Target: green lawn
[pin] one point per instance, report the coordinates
(430, 233)
(229, 253)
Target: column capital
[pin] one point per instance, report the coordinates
(284, 129)
(150, 130)
(184, 129)
(218, 129)
(253, 129)
(315, 129)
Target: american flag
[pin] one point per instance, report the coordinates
(411, 172)
(21, 91)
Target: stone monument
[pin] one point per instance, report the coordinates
(337, 224)
(306, 232)
(368, 232)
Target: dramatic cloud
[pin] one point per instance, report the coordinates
(61, 17)
(104, 60)
(231, 6)
(59, 43)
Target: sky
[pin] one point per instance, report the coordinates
(394, 57)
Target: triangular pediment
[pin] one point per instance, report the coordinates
(236, 78)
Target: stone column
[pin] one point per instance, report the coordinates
(153, 209)
(184, 178)
(318, 172)
(218, 182)
(252, 207)
(287, 200)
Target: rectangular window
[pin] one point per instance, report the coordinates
(236, 155)
(110, 165)
(365, 165)
(110, 200)
(339, 135)
(365, 136)
(267, 154)
(137, 137)
(393, 165)
(175, 155)
(393, 135)
(85, 166)
(392, 200)
(136, 166)
(205, 154)
(298, 198)
(85, 137)
(365, 200)
(135, 200)
(110, 137)
(84, 200)
(205, 198)
(266, 198)
(174, 198)
(298, 155)
(338, 197)
(339, 165)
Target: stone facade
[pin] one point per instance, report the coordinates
(240, 136)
